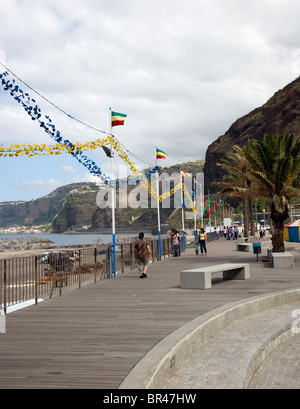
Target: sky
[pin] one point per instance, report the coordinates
(183, 72)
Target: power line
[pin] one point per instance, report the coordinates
(71, 116)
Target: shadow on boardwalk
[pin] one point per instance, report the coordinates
(93, 337)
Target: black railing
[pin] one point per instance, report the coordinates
(52, 273)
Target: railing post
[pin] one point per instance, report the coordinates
(152, 251)
(59, 267)
(79, 269)
(122, 258)
(4, 289)
(35, 280)
(131, 257)
(95, 264)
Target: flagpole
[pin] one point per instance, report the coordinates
(182, 213)
(158, 211)
(112, 201)
(201, 204)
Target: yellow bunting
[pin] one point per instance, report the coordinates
(57, 149)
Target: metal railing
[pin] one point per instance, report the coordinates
(52, 273)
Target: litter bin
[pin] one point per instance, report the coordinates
(257, 249)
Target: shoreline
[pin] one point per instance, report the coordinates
(84, 231)
(34, 245)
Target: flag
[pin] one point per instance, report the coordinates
(160, 154)
(117, 118)
(185, 173)
(107, 152)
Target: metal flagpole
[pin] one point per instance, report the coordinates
(182, 213)
(112, 201)
(201, 204)
(195, 216)
(158, 211)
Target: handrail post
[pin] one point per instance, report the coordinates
(79, 269)
(5, 289)
(122, 258)
(35, 280)
(59, 266)
(95, 264)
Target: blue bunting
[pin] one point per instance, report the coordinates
(30, 106)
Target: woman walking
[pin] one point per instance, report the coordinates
(202, 241)
(142, 254)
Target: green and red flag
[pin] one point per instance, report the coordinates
(160, 154)
(117, 118)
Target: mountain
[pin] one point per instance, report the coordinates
(279, 115)
(74, 207)
(35, 212)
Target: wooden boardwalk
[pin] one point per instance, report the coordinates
(91, 338)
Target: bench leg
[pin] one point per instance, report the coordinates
(200, 280)
(242, 273)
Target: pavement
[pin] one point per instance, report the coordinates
(222, 363)
(127, 333)
(259, 350)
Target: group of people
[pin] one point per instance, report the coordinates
(201, 242)
(143, 254)
(262, 232)
(231, 233)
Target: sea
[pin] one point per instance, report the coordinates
(67, 239)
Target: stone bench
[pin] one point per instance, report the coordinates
(283, 260)
(242, 239)
(201, 277)
(243, 246)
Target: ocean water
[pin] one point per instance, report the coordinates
(63, 239)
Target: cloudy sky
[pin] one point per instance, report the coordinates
(182, 71)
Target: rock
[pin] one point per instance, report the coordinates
(279, 115)
(24, 243)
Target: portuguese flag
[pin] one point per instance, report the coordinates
(117, 118)
(160, 154)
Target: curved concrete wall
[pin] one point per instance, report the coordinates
(162, 361)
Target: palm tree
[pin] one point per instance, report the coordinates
(236, 183)
(272, 166)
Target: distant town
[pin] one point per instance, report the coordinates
(24, 229)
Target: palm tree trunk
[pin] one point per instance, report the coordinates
(246, 218)
(278, 219)
(251, 219)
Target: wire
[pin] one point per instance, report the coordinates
(71, 116)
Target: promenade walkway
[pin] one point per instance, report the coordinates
(93, 337)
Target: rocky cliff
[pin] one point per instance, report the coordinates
(279, 115)
(73, 206)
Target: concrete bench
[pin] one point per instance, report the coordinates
(242, 239)
(243, 246)
(201, 277)
(283, 260)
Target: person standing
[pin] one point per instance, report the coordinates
(236, 233)
(142, 254)
(175, 242)
(202, 241)
(216, 230)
